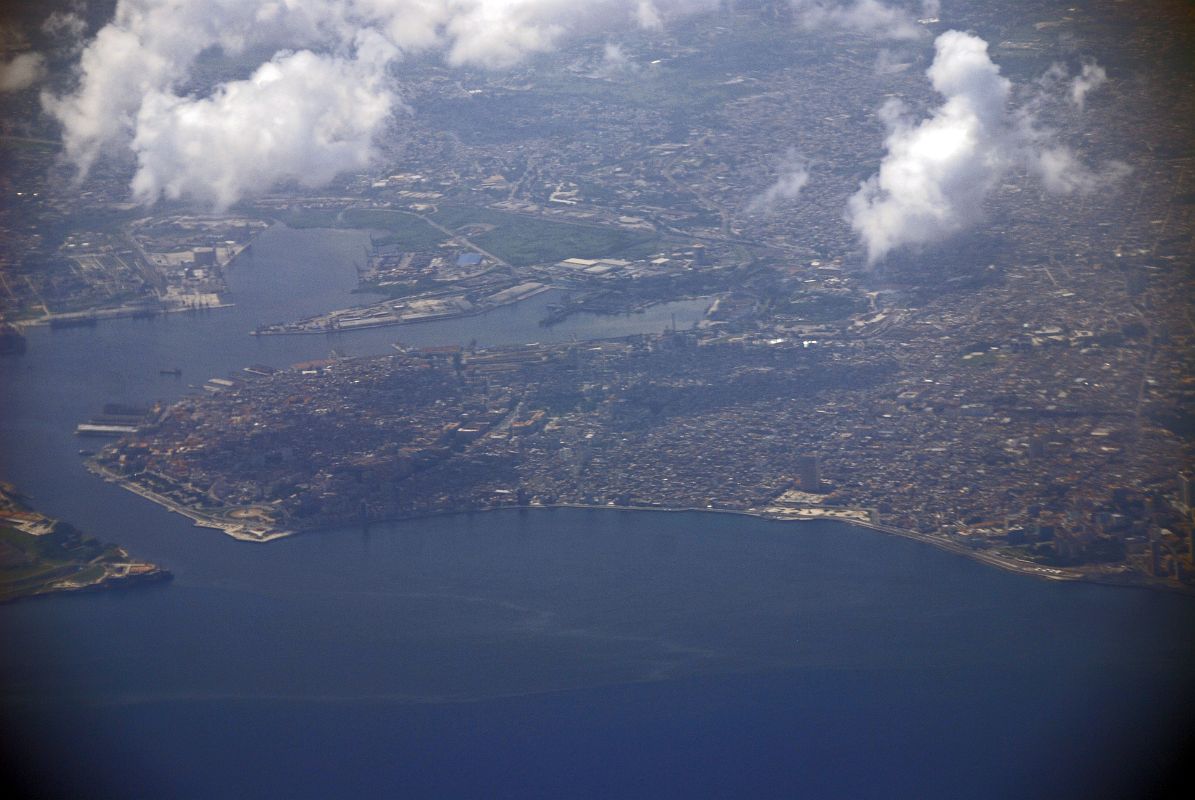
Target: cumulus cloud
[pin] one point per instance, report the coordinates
(648, 16)
(1092, 77)
(871, 17)
(614, 55)
(301, 117)
(794, 174)
(615, 62)
(1054, 94)
(937, 172)
(22, 71)
(888, 63)
(147, 48)
(67, 30)
(132, 73)
(1061, 171)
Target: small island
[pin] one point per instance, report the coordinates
(40, 555)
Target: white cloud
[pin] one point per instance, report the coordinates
(22, 71)
(870, 17)
(146, 49)
(1061, 172)
(130, 75)
(615, 63)
(936, 173)
(302, 117)
(1056, 94)
(67, 29)
(888, 63)
(794, 174)
(1088, 80)
(648, 16)
(613, 55)
(932, 182)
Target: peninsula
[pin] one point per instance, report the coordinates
(40, 555)
(852, 427)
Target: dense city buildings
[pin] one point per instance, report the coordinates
(1020, 388)
(975, 450)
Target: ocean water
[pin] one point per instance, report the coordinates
(594, 654)
(537, 653)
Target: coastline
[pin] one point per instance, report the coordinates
(243, 533)
(116, 580)
(43, 555)
(85, 318)
(392, 322)
(238, 531)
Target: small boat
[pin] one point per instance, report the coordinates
(176, 372)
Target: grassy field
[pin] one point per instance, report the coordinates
(523, 241)
(395, 227)
(29, 563)
(520, 240)
(402, 229)
(822, 307)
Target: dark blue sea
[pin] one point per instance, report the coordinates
(538, 654)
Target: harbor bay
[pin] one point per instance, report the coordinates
(722, 650)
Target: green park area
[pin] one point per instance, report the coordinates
(521, 240)
(31, 564)
(403, 228)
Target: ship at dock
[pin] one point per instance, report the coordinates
(116, 421)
